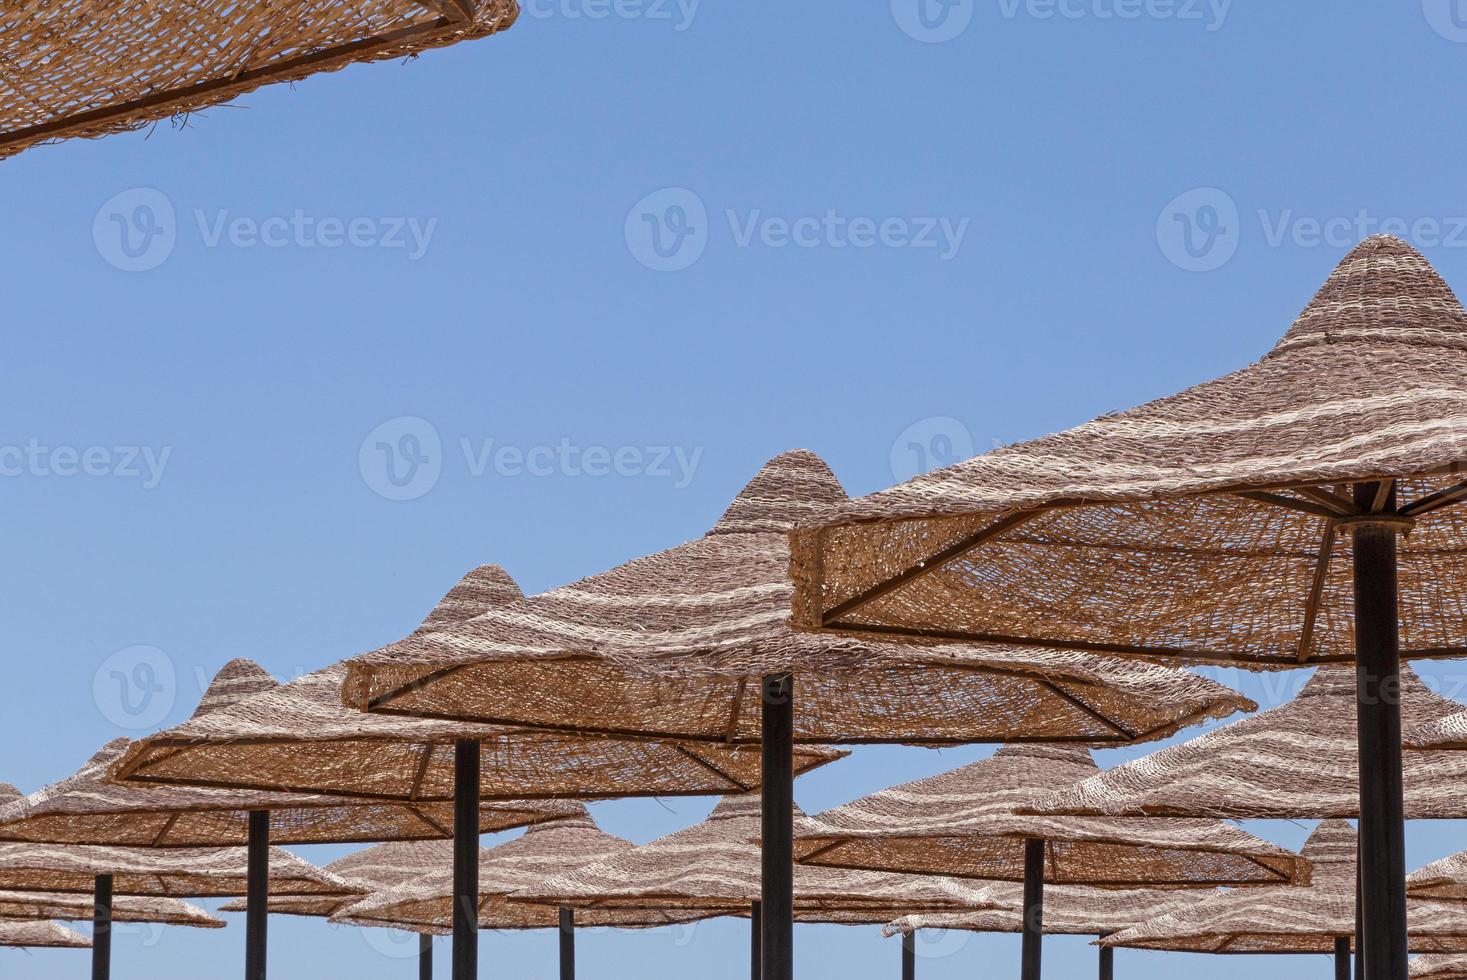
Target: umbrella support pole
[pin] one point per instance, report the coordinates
(1359, 918)
(756, 929)
(909, 955)
(102, 928)
(1342, 958)
(425, 956)
(1033, 909)
(1107, 960)
(1382, 808)
(567, 944)
(777, 859)
(257, 894)
(466, 774)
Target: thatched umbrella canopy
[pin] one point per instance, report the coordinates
(1448, 734)
(89, 71)
(39, 935)
(1439, 966)
(1317, 918)
(687, 642)
(372, 869)
(1444, 880)
(1258, 519)
(1296, 761)
(73, 907)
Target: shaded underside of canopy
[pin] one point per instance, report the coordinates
(674, 645)
(1069, 910)
(1297, 761)
(76, 907)
(39, 935)
(965, 823)
(1439, 966)
(715, 866)
(86, 70)
(1228, 507)
(1293, 919)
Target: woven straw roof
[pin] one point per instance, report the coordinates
(1439, 966)
(1051, 541)
(59, 905)
(548, 849)
(88, 808)
(714, 867)
(373, 869)
(196, 872)
(964, 823)
(299, 736)
(97, 69)
(1444, 880)
(9, 793)
(1295, 761)
(1447, 734)
(1293, 919)
(675, 644)
(1069, 910)
(36, 935)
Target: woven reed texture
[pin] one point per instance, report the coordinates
(1444, 880)
(299, 736)
(195, 872)
(88, 808)
(1069, 910)
(1297, 761)
(56, 905)
(1052, 541)
(965, 823)
(1442, 734)
(1439, 966)
(36, 935)
(674, 645)
(1293, 919)
(9, 793)
(546, 850)
(372, 869)
(93, 69)
(713, 867)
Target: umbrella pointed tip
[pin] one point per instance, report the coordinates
(239, 679)
(790, 488)
(486, 587)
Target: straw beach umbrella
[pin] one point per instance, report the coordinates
(1318, 918)
(1259, 519)
(713, 868)
(300, 736)
(1440, 881)
(41, 935)
(426, 902)
(71, 907)
(102, 68)
(694, 643)
(1068, 911)
(965, 823)
(1439, 966)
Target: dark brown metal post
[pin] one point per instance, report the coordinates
(425, 957)
(567, 944)
(756, 933)
(1342, 958)
(1382, 808)
(1107, 960)
(777, 839)
(1359, 918)
(909, 955)
(1033, 909)
(257, 894)
(102, 927)
(466, 860)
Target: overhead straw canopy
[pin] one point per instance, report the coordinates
(59, 905)
(1069, 910)
(1444, 880)
(38, 935)
(1297, 761)
(965, 823)
(1304, 919)
(1207, 525)
(1439, 966)
(674, 645)
(544, 851)
(199, 872)
(372, 869)
(714, 867)
(88, 808)
(299, 736)
(1446, 734)
(103, 68)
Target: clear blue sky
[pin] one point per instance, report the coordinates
(1064, 282)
